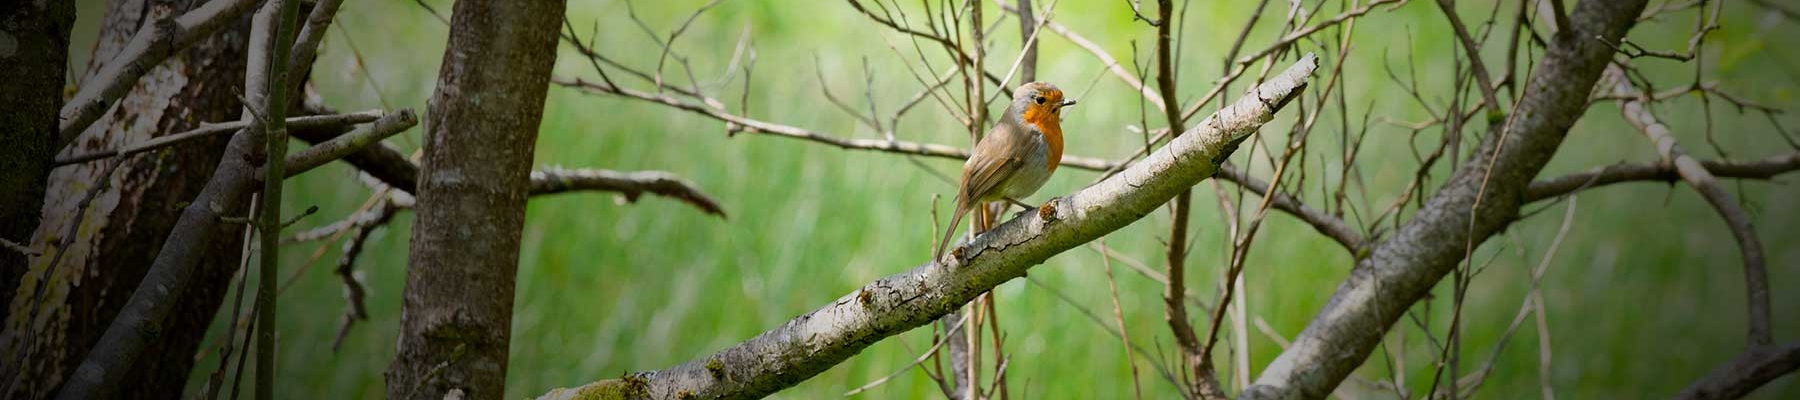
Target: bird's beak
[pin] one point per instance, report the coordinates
(1068, 102)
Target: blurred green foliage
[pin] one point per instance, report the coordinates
(1645, 294)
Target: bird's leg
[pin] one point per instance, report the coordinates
(1016, 202)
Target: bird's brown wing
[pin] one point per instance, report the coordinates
(995, 159)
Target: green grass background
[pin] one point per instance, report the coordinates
(1644, 296)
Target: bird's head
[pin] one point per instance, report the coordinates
(1039, 104)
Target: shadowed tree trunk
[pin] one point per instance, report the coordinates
(34, 45)
(456, 315)
(122, 228)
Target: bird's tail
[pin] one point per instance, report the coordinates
(950, 232)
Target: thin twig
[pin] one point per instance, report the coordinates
(1756, 284)
(10, 245)
(209, 130)
(162, 35)
(1119, 318)
(1763, 169)
(341, 146)
(279, 22)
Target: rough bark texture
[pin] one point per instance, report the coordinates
(1746, 373)
(380, 160)
(125, 225)
(1404, 268)
(812, 343)
(482, 125)
(34, 43)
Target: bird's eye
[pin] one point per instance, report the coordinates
(1039, 99)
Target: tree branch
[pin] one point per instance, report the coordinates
(379, 160)
(1764, 169)
(1637, 112)
(811, 343)
(748, 125)
(630, 185)
(339, 121)
(162, 34)
(1111, 64)
(306, 42)
(277, 18)
(1743, 374)
(169, 274)
(1403, 269)
(341, 146)
(1330, 226)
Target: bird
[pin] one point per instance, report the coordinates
(1016, 156)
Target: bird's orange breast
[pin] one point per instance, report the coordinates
(1051, 126)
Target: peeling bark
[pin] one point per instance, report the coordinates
(123, 229)
(36, 40)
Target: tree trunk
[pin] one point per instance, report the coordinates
(123, 227)
(456, 315)
(37, 59)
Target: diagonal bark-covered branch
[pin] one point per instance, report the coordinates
(333, 121)
(1479, 199)
(224, 195)
(156, 41)
(1637, 112)
(1330, 226)
(172, 272)
(379, 160)
(811, 343)
(386, 164)
(1744, 374)
(341, 146)
(1767, 168)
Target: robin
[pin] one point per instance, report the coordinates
(1016, 156)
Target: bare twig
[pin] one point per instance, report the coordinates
(62, 248)
(1764, 169)
(1100, 53)
(163, 33)
(354, 293)
(1295, 36)
(1119, 318)
(355, 141)
(630, 185)
(22, 249)
(1748, 371)
(275, 22)
(1138, 349)
(1530, 304)
(216, 381)
(1326, 224)
(306, 122)
(306, 42)
(1637, 112)
(1473, 52)
(748, 125)
(1199, 377)
(935, 344)
(814, 342)
(1399, 272)
(1028, 30)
